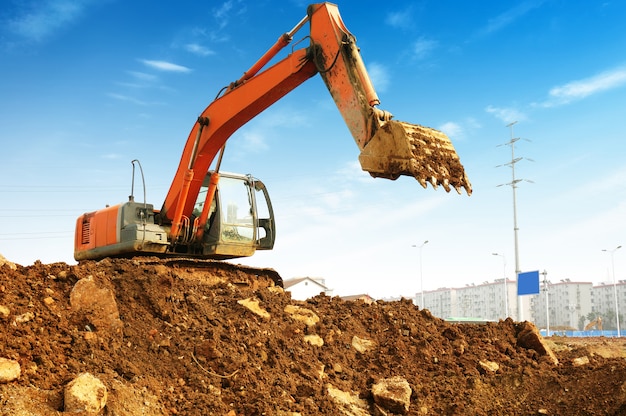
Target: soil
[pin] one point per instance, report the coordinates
(169, 339)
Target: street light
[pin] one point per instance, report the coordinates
(506, 292)
(545, 285)
(614, 285)
(421, 273)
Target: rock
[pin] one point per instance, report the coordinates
(85, 394)
(301, 314)
(9, 370)
(4, 312)
(362, 345)
(4, 261)
(23, 318)
(315, 340)
(253, 306)
(97, 304)
(348, 404)
(577, 362)
(529, 337)
(393, 395)
(489, 366)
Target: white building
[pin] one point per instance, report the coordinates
(603, 297)
(486, 301)
(569, 303)
(303, 288)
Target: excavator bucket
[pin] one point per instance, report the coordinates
(400, 148)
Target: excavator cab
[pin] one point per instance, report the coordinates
(241, 219)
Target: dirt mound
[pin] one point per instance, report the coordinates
(168, 340)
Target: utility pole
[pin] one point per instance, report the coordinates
(513, 184)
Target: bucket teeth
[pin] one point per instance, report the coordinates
(400, 148)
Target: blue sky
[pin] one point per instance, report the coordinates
(86, 86)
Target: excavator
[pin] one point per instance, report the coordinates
(596, 323)
(212, 215)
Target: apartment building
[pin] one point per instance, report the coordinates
(568, 303)
(484, 301)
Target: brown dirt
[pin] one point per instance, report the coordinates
(178, 341)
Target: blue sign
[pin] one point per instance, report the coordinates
(528, 283)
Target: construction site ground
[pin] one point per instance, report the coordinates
(169, 339)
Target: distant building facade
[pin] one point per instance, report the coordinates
(485, 301)
(603, 300)
(569, 304)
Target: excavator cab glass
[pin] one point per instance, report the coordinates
(240, 218)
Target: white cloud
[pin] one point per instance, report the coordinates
(422, 47)
(352, 172)
(39, 20)
(253, 141)
(226, 10)
(401, 19)
(459, 130)
(165, 66)
(577, 90)
(127, 98)
(142, 76)
(452, 129)
(508, 115)
(508, 17)
(198, 49)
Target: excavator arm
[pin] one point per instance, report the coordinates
(388, 148)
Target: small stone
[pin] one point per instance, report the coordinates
(362, 345)
(315, 340)
(489, 366)
(393, 394)
(577, 362)
(23, 318)
(253, 306)
(298, 313)
(9, 370)
(4, 312)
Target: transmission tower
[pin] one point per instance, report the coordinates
(513, 185)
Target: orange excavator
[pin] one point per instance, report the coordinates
(212, 215)
(596, 323)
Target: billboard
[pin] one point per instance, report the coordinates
(528, 283)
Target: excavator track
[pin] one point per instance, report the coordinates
(215, 267)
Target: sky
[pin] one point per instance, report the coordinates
(86, 86)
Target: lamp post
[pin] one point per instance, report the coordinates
(506, 292)
(614, 285)
(545, 286)
(421, 273)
